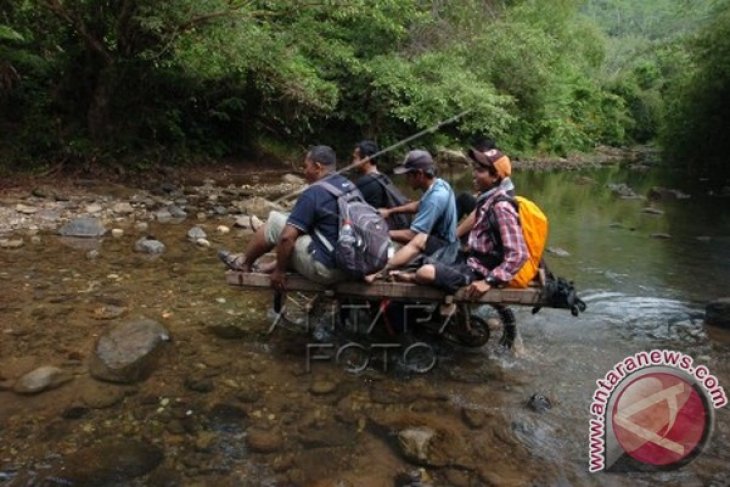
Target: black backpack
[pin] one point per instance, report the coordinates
(394, 197)
(558, 292)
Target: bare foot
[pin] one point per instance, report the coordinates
(371, 278)
(381, 274)
(401, 276)
(266, 267)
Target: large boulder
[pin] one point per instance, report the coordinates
(128, 351)
(717, 313)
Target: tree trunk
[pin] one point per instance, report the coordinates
(99, 112)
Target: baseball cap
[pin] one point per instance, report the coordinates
(415, 160)
(492, 157)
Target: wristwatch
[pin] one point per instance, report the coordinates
(491, 280)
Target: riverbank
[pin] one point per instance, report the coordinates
(38, 202)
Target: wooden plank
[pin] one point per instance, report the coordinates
(379, 289)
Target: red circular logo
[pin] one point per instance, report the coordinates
(660, 419)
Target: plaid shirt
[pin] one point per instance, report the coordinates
(509, 233)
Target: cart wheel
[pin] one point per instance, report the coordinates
(470, 330)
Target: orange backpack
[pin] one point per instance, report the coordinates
(534, 226)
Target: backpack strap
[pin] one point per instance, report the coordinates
(337, 193)
(496, 254)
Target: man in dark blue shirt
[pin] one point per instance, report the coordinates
(299, 236)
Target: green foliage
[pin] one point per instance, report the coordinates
(697, 136)
(82, 80)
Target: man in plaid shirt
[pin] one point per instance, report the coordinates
(496, 248)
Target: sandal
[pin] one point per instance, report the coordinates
(235, 262)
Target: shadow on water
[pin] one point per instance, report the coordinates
(201, 403)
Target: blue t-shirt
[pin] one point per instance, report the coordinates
(437, 212)
(316, 209)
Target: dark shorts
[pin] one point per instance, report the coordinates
(434, 243)
(452, 277)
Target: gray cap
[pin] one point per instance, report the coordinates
(415, 160)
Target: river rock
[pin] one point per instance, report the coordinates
(228, 331)
(293, 179)
(717, 313)
(623, 191)
(262, 441)
(660, 236)
(328, 435)
(247, 222)
(473, 418)
(652, 211)
(585, 181)
(163, 216)
(11, 243)
(123, 208)
(557, 251)
(322, 387)
(196, 233)
(149, 245)
(127, 352)
(223, 230)
(100, 396)
(49, 214)
(113, 462)
(199, 383)
(41, 379)
(256, 206)
(415, 444)
(117, 232)
(108, 312)
(83, 227)
(25, 209)
(427, 439)
(94, 208)
(539, 403)
(659, 193)
(177, 212)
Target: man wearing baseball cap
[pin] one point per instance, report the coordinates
(434, 226)
(484, 152)
(496, 250)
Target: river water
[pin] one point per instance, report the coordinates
(261, 418)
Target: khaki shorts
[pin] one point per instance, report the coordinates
(302, 260)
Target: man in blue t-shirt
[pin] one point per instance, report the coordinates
(298, 236)
(434, 226)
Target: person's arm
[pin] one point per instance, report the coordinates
(466, 224)
(284, 250)
(411, 207)
(402, 236)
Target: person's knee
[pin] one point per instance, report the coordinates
(426, 274)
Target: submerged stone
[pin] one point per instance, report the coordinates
(149, 245)
(41, 379)
(115, 462)
(127, 352)
(83, 228)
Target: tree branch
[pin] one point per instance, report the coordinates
(78, 25)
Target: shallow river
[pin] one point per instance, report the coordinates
(229, 404)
